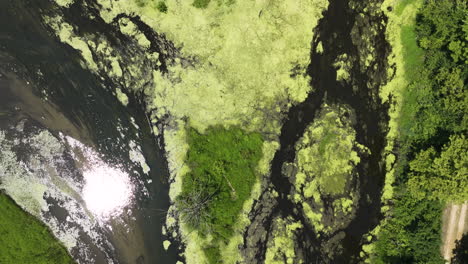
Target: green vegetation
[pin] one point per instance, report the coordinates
(222, 173)
(412, 53)
(23, 239)
(326, 154)
(158, 5)
(240, 47)
(432, 169)
(439, 88)
(412, 235)
(441, 175)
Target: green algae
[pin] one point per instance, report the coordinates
(66, 34)
(241, 74)
(343, 66)
(130, 29)
(230, 74)
(326, 154)
(405, 56)
(325, 160)
(123, 98)
(281, 248)
(64, 3)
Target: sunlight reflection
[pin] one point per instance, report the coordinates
(107, 190)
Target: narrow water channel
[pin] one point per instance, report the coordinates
(335, 32)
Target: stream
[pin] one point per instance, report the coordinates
(335, 31)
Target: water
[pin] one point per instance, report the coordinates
(44, 89)
(335, 31)
(35, 65)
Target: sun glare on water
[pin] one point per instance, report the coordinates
(107, 190)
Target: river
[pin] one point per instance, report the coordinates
(44, 88)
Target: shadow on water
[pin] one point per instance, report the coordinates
(45, 67)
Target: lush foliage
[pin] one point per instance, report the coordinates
(432, 169)
(441, 176)
(222, 163)
(23, 239)
(413, 233)
(437, 96)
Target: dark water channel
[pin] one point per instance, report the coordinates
(33, 63)
(335, 32)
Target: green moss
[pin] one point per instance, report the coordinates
(222, 173)
(23, 239)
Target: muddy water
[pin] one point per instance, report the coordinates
(335, 31)
(42, 83)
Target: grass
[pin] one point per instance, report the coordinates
(413, 62)
(412, 52)
(25, 240)
(223, 170)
